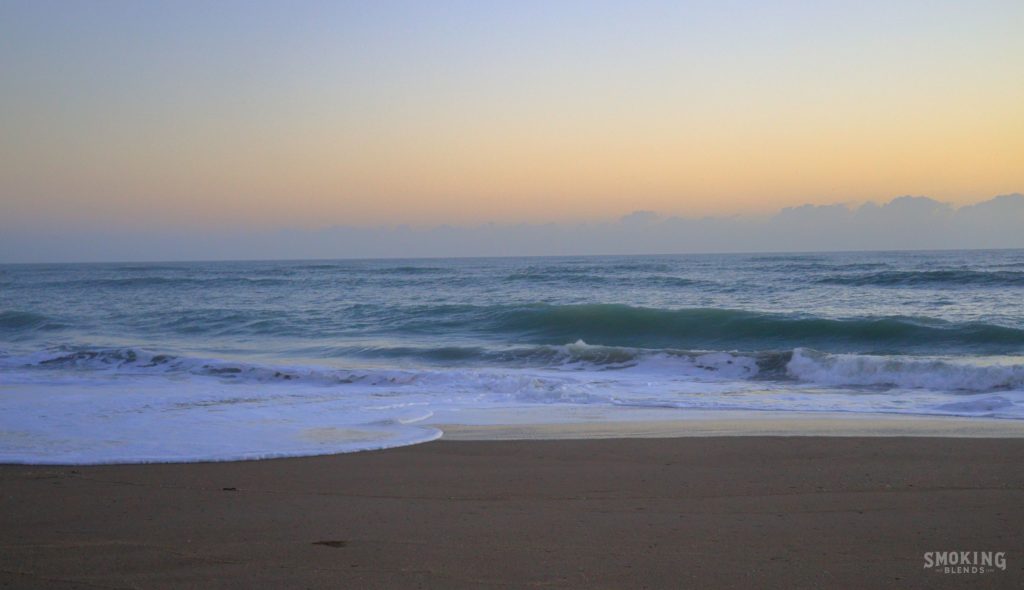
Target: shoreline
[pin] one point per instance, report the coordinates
(555, 423)
(574, 423)
(711, 512)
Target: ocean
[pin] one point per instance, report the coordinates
(194, 361)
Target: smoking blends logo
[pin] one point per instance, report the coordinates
(965, 562)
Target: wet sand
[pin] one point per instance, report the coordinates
(727, 512)
(551, 423)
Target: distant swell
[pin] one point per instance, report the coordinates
(144, 282)
(944, 278)
(24, 321)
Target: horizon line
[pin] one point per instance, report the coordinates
(510, 256)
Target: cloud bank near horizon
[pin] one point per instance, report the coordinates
(903, 223)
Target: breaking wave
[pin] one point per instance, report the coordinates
(802, 365)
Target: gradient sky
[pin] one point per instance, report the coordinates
(262, 115)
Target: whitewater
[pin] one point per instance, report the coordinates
(140, 362)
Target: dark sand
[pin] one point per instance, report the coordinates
(748, 512)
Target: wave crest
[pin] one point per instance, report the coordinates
(725, 329)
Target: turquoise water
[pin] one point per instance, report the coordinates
(918, 332)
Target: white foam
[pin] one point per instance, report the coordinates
(103, 410)
(938, 373)
(162, 420)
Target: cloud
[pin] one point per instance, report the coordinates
(903, 223)
(640, 218)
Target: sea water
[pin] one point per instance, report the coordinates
(232, 360)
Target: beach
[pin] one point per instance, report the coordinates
(709, 512)
(814, 420)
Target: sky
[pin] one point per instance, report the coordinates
(133, 119)
(904, 223)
